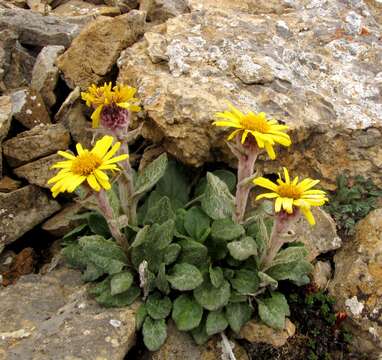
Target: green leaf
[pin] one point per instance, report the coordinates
(245, 281)
(141, 236)
(216, 276)
(75, 256)
(242, 249)
(226, 229)
(217, 249)
(174, 184)
(92, 272)
(196, 223)
(238, 314)
(140, 316)
(295, 271)
(161, 280)
(179, 221)
(171, 253)
(121, 282)
(113, 198)
(98, 225)
(237, 298)
(217, 202)
(199, 334)
(158, 307)
(99, 288)
(122, 299)
(185, 277)
(212, 298)
(160, 212)
(76, 231)
(150, 175)
(273, 310)
(290, 254)
(186, 313)
(216, 322)
(154, 333)
(160, 236)
(266, 280)
(227, 176)
(193, 252)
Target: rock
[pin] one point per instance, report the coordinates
(29, 109)
(59, 321)
(45, 73)
(41, 141)
(357, 284)
(5, 123)
(318, 239)
(61, 223)
(72, 115)
(156, 47)
(40, 6)
(7, 184)
(325, 87)
(38, 172)
(252, 71)
(94, 52)
(35, 29)
(124, 5)
(23, 209)
(180, 345)
(81, 8)
(257, 332)
(159, 11)
(321, 274)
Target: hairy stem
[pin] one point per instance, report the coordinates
(107, 212)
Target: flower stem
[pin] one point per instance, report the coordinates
(107, 212)
(246, 165)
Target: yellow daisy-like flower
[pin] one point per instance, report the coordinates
(87, 165)
(292, 193)
(100, 96)
(266, 132)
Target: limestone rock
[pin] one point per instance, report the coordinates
(8, 184)
(257, 332)
(45, 73)
(29, 109)
(159, 11)
(124, 5)
(94, 52)
(180, 345)
(5, 122)
(81, 8)
(38, 172)
(35, 29)
(23, 209)
(62, 222)
(156, 47)
(41, 141)
(357, 284)
(59, 321)
(40, 6)
(324, 85)
(321, 274)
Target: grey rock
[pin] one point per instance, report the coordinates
(156, 47)
(21, 210)
(41, 141)
(29, 109)
(38, 172)
(159, 11)
(84, 8)
(5, 123)
(45, 73)
(35, 29)
(321, 274)
(252, 71)
(57, 320)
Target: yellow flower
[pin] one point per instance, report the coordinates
(98, 97)
(87, 165)
(292, 193)
(266, 132)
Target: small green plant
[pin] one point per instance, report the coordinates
(352, 201)
(191, 252)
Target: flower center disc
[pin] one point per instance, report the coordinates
(251, 122)
(85, 164)
(289, 191)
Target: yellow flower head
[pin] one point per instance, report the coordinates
(98, 97)
(292, 193)
(87, 165)
(266, 132)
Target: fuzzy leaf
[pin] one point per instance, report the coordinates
(98, 225)
(75, 256)
(186, 313)
(266, 280)
(290, 254)
(154, 333)
(123, 299)
(296, 271)
(216, 276)
(140, 316)
(161, 280)
(216, 322)
(171, 253)
(76, 231)
(196, 223)
(158, 307)
(212, 298)
(193, 252)
(199, 334)
(160, 236)
(160, 212)
(121, 282)
(92, 272)
(238, 314)
(245, 281)
(217, 202)
(141, 236)
(185, 277)
(227, 176)
(226, 229)
(242, 249)
(273, 310)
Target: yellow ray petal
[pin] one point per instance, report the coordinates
(265, 183)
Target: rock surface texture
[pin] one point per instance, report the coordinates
(57, 320)
(357, 284)
(312, 65)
